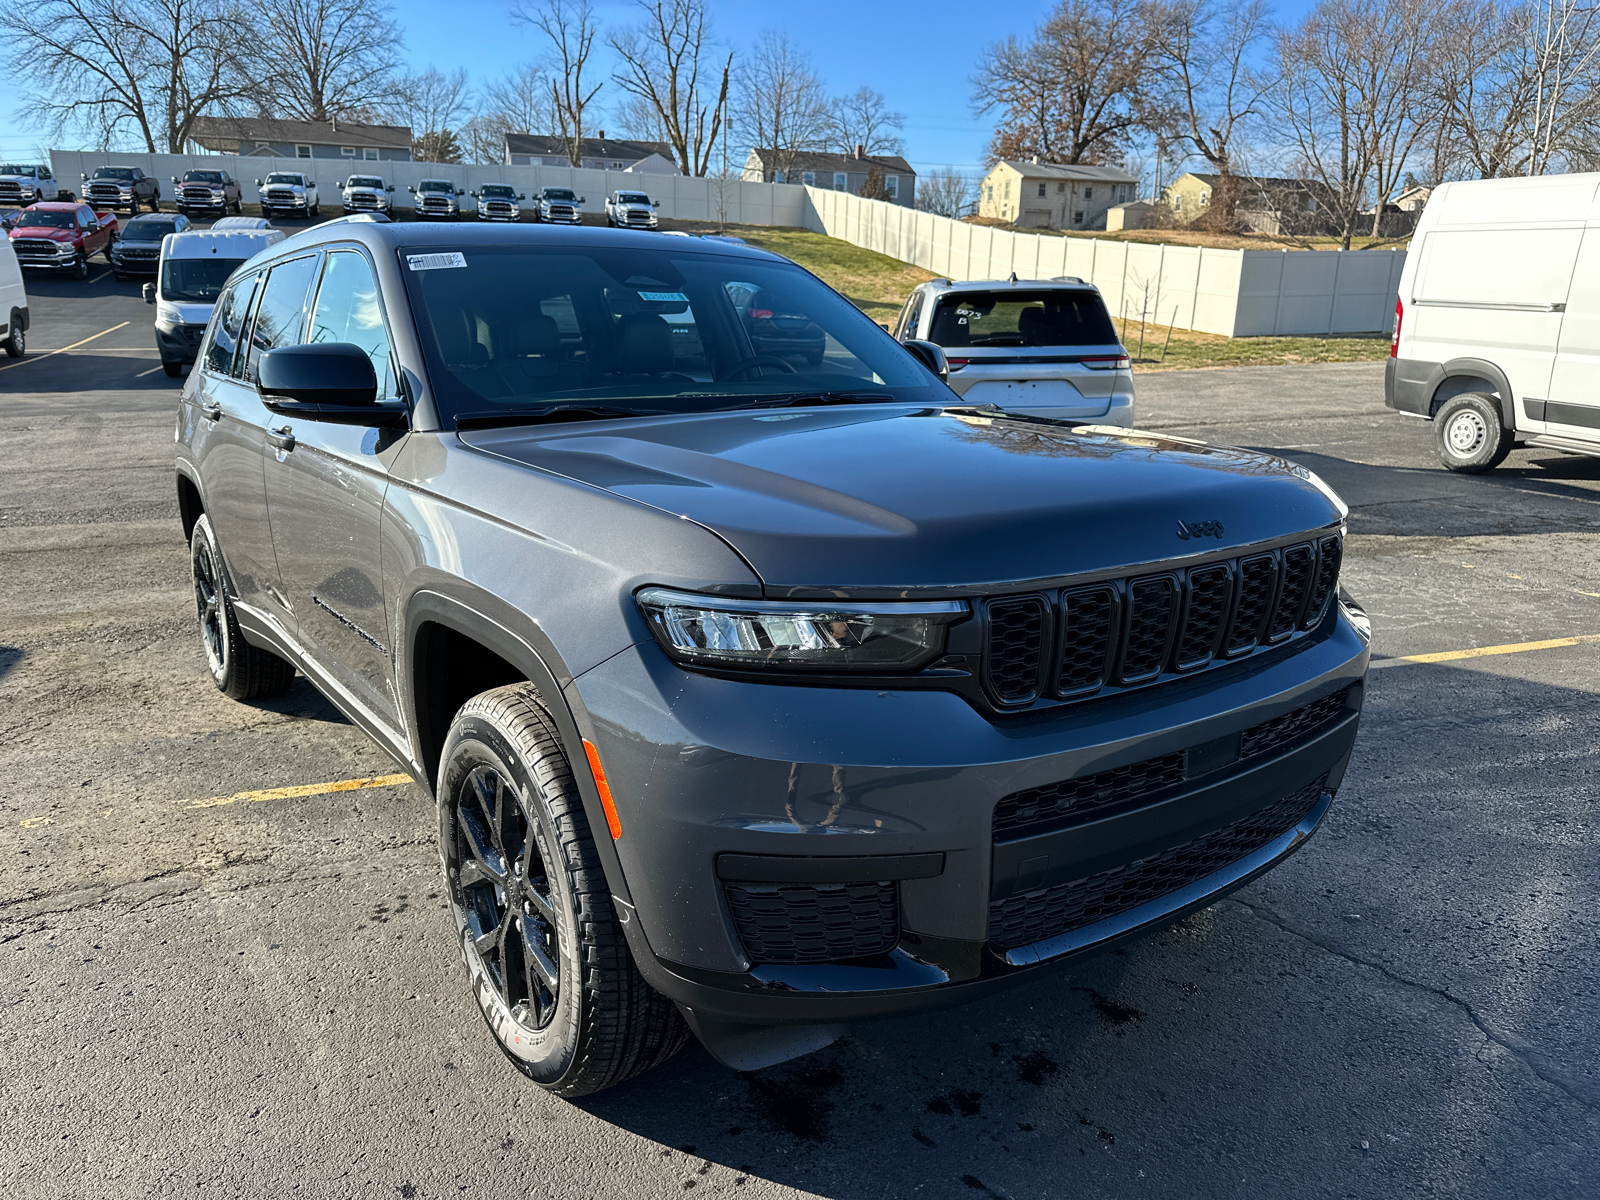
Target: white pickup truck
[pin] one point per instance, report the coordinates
(28, 183)
(631, 210)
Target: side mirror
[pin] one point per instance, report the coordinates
(390, 188)
(83, 177)
(931, 356)
(655, 204)
(258, 183)
(520, 196)
(583, 199)
(174, 179)
(148, 291)
(332, 381)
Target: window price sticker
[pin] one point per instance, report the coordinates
(435, 262)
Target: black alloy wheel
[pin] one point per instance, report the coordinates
(80, 265)
(240, 670)
(535, 922)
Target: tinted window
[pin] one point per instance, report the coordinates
(347, 310)
(196, 280)
(48, 219)
(1018, 318)
(123, 173)
(281, 314)
(148, 231)
(496, 189)
(646, 331)
(232, 308)
(280, 177)
(560, 194)
(366, 181)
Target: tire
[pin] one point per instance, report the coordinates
(173, 370)
(240, 671)
(16, 342)
(585, 1019)
(316, 210)
(1469, 435)
(80, 265)
(238, 208)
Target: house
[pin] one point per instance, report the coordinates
(263, 137)
(1264, 203)
(598, 153)
(834, 172)
(1135, 214)
(1040, 195)
(1413, 199)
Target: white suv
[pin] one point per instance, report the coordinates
(1044, 347)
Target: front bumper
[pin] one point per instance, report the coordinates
(894, 794)
(53, 262)
(179, 343)
(137, 265)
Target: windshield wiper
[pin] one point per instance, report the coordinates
(798, 399)
(546, 414)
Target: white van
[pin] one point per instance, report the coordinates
(1497, 327)
(194, 266)
(13, 303)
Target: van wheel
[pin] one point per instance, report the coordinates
(1469, 434)
(16, 343)
(241, 671)
(548, 962)
(173, 369)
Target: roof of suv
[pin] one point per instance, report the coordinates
(1064, 282)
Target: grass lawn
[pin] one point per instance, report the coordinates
(878, 285)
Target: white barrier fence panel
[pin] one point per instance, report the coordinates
(1237, 293)
(681, 196)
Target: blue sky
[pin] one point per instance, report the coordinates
(919, 55)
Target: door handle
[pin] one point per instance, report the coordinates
(211, 410)
(282, 437)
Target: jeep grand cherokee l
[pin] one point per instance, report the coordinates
(755, 696)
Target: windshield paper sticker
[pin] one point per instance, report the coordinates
(435, 262)
(664, 297)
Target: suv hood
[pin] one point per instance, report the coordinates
(887, 498)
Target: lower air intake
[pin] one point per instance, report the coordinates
(815, 922)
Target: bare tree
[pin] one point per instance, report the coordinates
(1486, 81)
(666, 60)
(571, 29)
(522, 101)
(636, 118)
(114, 67)
(434, 105)
(1208, 91)
(863, 118)
(1075, 91)
(946, 192)
(778, 103)
(1565, 36)
(323, 59)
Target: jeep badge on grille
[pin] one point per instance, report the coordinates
(1195, 529)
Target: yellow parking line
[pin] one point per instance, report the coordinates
(64, 349)
(1489, 651)
(304, 789)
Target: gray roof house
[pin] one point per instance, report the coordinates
(837, 172)
(265, 137)
(597, 153)
(1032, 194)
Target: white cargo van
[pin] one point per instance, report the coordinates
(1497, 327)
(13, 303)
(194, 266)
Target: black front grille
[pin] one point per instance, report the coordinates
(1049, 912)
(104, 191)
(1075, 801)
(1084, 641)
(201, 196)
(41, 247)
(134, 252)
(10, 191)
(499, 209)
(280, 197)
(815, 922)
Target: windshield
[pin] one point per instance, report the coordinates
(113, 173)
(202, 176)
(644, 332)
(498, 190)
(560, 194)
(371, 181)
(195, 280)
(148, 231)
(1017, 318)
(280, 177)
(632, 198)
(47, 219)
(15, 169)
(436, 185)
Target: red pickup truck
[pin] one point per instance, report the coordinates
(62, 237)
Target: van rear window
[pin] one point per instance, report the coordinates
(1019, 318)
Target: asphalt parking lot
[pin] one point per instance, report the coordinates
(223, 977)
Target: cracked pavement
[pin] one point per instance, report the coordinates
(262, 998)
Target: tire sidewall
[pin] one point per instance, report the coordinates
(548, 1055)
(1471, 410)
(204, 537)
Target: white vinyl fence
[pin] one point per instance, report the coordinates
(1238, 293)
(681, 196)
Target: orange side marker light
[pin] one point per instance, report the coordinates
(606, 802)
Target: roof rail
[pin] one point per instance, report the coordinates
(1065, 279)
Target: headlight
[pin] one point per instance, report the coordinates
(825, 636)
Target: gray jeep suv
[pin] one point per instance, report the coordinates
(757, 694)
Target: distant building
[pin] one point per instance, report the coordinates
(598, 153)
(834, 172)
(1040, 195)
(1264, 203)
(1135, 214)
(263, 137)
(1413, 199)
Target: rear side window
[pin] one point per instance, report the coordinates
(1018, 318)
(281, 315)
(234, 305)
(347, 310)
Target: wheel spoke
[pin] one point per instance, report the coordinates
(542, 905)
(478, 845)
(540, 962)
